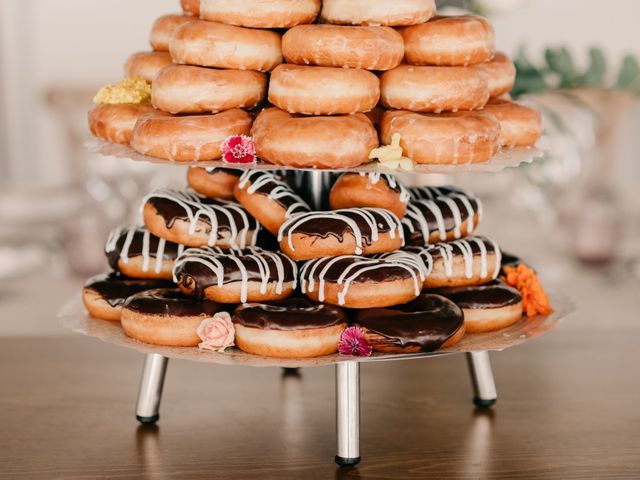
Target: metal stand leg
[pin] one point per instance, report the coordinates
(348, 412)
(484, 387)
(150, 393)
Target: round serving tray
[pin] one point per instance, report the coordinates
(74, 316)
(505, 158)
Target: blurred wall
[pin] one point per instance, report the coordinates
(63, 44)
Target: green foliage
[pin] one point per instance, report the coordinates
(560, 71)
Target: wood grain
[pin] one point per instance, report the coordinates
(568, 409)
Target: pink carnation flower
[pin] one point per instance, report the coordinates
(352, 342)
(238, 149)
(216, 333)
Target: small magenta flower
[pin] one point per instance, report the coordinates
(238, 149)
(352, 342)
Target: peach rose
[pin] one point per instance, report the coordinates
(216, 333)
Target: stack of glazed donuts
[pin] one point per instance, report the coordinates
(320, 84)
(411, 277)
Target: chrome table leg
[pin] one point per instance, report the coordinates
(484, 387)
(150, 393)
(348, 412)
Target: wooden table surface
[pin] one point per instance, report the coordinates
(569, 408)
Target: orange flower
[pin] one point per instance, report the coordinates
(534, 299)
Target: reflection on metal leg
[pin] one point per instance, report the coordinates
(484, 387)
(148, 406)
(348, 412)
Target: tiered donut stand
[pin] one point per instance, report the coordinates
(316, 184)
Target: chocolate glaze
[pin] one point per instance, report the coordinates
(326, 226)
(136, 246)
(115, 288)
(447, 217)
(428, 322)
(271, 185)
(230, 171)
(297, 313)
(495, 294)
(199, 276)
(171, 211)
(386, 271)
(170, 302)
(431, 193)
(510, 260)
(437, 253)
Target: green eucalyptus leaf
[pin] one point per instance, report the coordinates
(629, 73)
(559, 61)
(594, 76)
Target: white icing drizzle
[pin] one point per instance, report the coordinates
(281, 192)
(393, 224)
(374, 177)
(309, 274)
(448, 251)
(210, 258)
(433, 199)
(129, 233)
(196, 206)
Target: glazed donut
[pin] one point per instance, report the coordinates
(340, 232)
(213, 182)
(260, 14)
(164, 28)
(433, 89)
(520, 126)
(443, 218)
(359, 282)
(270, 200)
(446, 138)
(187, 89)
(426, 324)
(378, 190)
(136, 252)
(104, 294)
(115, 122)
(146, 64)
(235, 277)
(341, 141)
(166, 317)
(187, 218)
(371, 48)
(377, 12)
(486, 307)
(188, 138)
(499, 73)
(224, 46)
(449, 41)
(191, 7)
(323, 90)
(461, 263)
(292, 328)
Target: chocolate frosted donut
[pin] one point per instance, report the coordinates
(165, 316)
(376, 189)
(360, 282)
(441, 214)
(341, 232)
(486, 307)
(292, 328)
(190, 219)
(136, 252)
(269, 199)
(213, 182)
(423, 325)
(469, 261)
(104, 294)
(235, 277)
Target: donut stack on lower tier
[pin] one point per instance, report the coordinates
(242, 259)
(334, 74)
